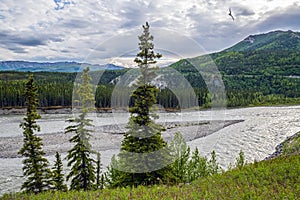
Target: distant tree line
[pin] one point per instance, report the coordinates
(240, 90)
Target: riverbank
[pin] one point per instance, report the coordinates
(47, 110)
(68, 110)
(281, 148)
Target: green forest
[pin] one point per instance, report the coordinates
(248, 89)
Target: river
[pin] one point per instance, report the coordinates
(261, 129)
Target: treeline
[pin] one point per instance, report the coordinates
(55, 89)
(50, 94)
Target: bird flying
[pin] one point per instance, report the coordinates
(230, 14)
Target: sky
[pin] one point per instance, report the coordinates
(101, 31)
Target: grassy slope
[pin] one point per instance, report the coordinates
(272, 179)
(292, 147)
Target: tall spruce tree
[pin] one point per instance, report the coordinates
(35, 166)
(82, 172)
(142, 159)
(58, 176)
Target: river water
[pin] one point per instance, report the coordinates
(257, 135)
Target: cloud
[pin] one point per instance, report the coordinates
(286, 19)
(24, 39)
(97, 30)
(76, 24)
(16, 49)
(244, 12)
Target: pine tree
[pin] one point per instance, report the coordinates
(143, 154)
(35, 165)
(82, 172)
(58, 176)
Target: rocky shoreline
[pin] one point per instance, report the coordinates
(63, 110)
(48, 110)
(279, 148)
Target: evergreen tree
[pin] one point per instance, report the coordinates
(180, 152)
(82, 172)
(102, 182)
(197, 166)
(35, 165)
(143, 154)
(113, 175)
(213, 164)
(58, 176)
(240, 160)
(99, 177)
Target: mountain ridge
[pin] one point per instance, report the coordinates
(274, 40)
(276, 53)
(65, 66)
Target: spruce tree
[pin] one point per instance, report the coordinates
(240, 160)
(198, 166)
(82, 172)
(99, 176)
(113, 174)
(35, 166)
(213, 164)
(58, 176)
(181, 153)
(143, 154)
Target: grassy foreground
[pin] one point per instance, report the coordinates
(278, 178)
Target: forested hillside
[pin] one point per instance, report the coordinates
(263, 69)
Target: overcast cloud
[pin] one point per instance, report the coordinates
(106, 30)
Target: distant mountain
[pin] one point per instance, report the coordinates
(276, 40)
(52, 67)
(274, 53)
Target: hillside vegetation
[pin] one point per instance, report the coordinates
(292, 146)
(272, 179)
(262, 72)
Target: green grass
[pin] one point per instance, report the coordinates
(272, 179)
(292, 147)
